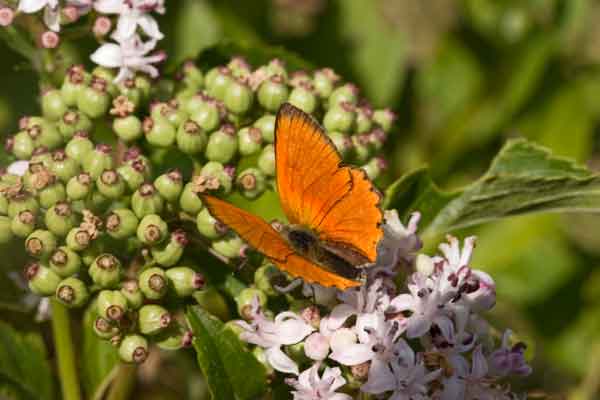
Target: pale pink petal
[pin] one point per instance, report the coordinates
(109, 6)
(108, 55)
(418, 326)
(31, 6)
(402, 302)
(381, 379)
(52, 18)
(316, 346)
(339, 315)
(18, 167)
(280, 361)
(353, 354)
(480, 367)
(150, 27)
(125, 27)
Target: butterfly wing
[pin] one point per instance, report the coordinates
(260, 235)
(337, 202)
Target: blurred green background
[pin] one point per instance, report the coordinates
(463, 76)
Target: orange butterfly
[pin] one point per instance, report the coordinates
(333, 209)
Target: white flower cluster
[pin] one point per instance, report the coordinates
(423, 340)
(136, 33)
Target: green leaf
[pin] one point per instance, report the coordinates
(523, 178)
(230, 370)
(24, 368)
(378, 50)
(99, 359)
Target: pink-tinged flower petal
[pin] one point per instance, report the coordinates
(291, 328)
(31, 6)
(341, 338)
(454, 388)
(52, 18)
(340, 396)
(381, 379)
(418, 326)
(483, 298)
(109, 6)
(480, 366)
(402, 302)
(339, 315)
(333, 375)
(316, 346)
(108, 55)
(125, 27)
(18, 167)
(352, 354)
(445, 325)
(150, 27)
(280, 361)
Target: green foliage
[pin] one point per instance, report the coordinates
(24, 370)
(523, 178)
(230, 370)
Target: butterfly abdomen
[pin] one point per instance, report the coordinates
(308, 245)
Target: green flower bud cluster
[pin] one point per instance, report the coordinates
(106, 206)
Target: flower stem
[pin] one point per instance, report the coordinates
(63, 343)
(124, 382)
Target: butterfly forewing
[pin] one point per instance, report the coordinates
(337, 202)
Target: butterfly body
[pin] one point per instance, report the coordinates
(332, 209)
(308, 245)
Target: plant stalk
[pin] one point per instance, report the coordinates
(63, 344)
(124, 382)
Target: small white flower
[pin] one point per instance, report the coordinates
(18, 168)
(133, 13)
(399, 243)
(51, 11)
(509, 359)
(129, 56)
(408, 378)
(427, 303)
(311, 386)
(363, 300)
(316, 346)
(287, 328)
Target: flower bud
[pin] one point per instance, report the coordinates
(192, 75)
(134, 174)
(217, 82)
(133, 349)
(53, 106)
(266, 277)
(208, 226)
(249, 140)
(304, 98)
(79, 146)
(215, 174)
(266, 160)
(131, 290)
(94, 100)
(121, 223)
(324, 81)
(206, 114)
(49, 40)
(6, 16)
(104, 328)
(72, 122)
(97, 161)
(52, 194)
(340, 118)
(266, 124)
(251, 182)
(78, 239)
(59, 219)
(185, 280)
(191, 138)
(169, 185)
(72, 292)
(374, 167)
(3, 204)
(111, 305)
(347, 93)
(146, 200)
(65, 262)
(128, 128)
(63, 167)
(360, 149)
(22, 202)
(22, 146)
(169, 254)
(75, 80)
(79, 187)
(174, 338)
(152, 229)
(238, 97)
(40, 244)
(153, 283)
(102, 25)
(342, 143)
(230, 246)
(110, 184)
(385, 118)
(153, 319)
(189, 200)
(41, 279)
(222, 145)
(213, 301)
(23, 223)
(6, 233)
(159, 131)
(272, 93)
(245, 299)
(105, 270)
